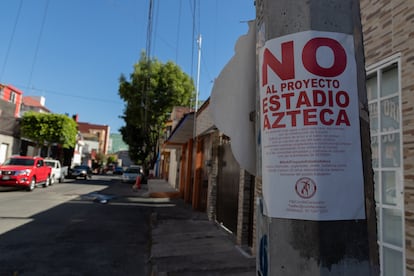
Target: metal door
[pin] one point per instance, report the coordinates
(227, 188)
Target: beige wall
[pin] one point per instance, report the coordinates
(388, 27)
(173, 170)
(8, 142)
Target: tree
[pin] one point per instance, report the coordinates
(111, 159)
(151, 93)
(47, 129)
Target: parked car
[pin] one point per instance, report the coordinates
(141, 169)
(58, 172)
(118, 170)
(25, 171)
(82, 171)
(109, 169)
(131, 173)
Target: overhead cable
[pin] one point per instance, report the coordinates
(11, 40)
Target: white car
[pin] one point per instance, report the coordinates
(58, 172)
(131, 173)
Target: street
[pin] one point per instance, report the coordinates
(66, 230)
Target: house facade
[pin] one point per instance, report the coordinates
(34, 103)
(101, 132)
(389, 58)
(12, 106)
(197, 159)
(116, 143)
(10, 102)
(9, 131)
(95, 140)
(118, 147)
(11, 94)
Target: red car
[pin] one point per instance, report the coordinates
(25, 171)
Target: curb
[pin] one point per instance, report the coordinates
(165, 194)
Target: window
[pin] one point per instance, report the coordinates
(12, 97)
(384, 99)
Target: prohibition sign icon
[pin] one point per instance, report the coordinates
(305, 187)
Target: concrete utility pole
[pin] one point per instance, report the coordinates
(337, 244)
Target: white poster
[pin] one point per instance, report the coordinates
(311, 151)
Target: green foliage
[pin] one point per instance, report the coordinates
(46, 129)
(111, 159)
(151, 93)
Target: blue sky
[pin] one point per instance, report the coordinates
(76, 58)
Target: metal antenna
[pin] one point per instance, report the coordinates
(198, 71)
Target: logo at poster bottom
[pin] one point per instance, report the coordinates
(305, 187)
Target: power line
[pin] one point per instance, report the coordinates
(192, 37)
(58, 93)
(38, 42)
(194, 42)
(11, 40)
(155, 23)
(149, 29)
(146, 87)
(205, 68)
(178, 32)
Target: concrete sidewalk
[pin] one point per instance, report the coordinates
(185, 242)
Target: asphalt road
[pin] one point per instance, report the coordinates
(61, 230)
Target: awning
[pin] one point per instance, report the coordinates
(183, 132)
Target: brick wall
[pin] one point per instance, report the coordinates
(257, 194)
(244, 212)
(388, 27)
(212, 177)
(246, 183)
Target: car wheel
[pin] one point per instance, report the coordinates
(52, 180)
(32, 184)
(47, 182)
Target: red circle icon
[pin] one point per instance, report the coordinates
(305, 187)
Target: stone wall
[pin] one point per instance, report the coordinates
(245, 214)
(212, 178)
